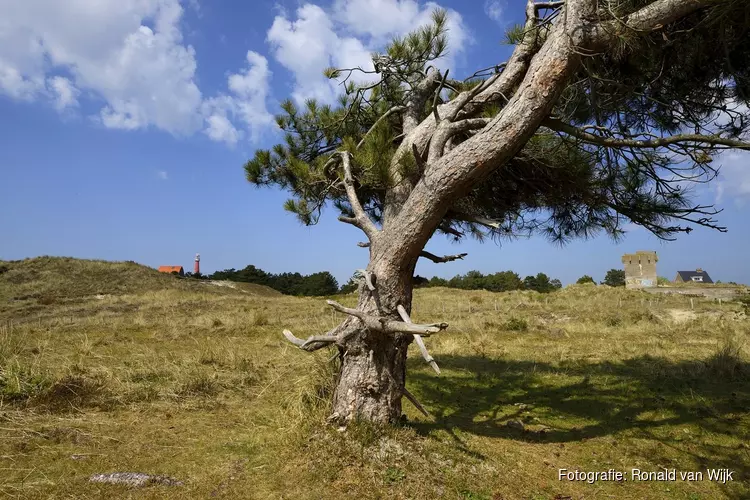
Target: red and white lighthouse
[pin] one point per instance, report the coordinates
(197, 268)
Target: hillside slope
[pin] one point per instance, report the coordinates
(195, 382)
(42, 281)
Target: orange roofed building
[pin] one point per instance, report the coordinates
(172, 269)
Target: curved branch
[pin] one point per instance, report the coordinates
(313, 343)
(613, 142)
(441, 260)
(360, 219)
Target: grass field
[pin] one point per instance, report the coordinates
(112, 367)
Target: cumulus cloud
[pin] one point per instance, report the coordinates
(734, 178)
(246, 103)
(346, 37)
(64, 92)
(129, 56)
(494, 10)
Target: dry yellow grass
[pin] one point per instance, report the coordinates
(164, 376)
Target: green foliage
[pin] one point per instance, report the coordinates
(585, 279)
(647, 85)
(517, 324)
(503, 281)
(661, 280)
(394, 475)
(541, 283)
(614, 277)
(514, 34)
(317, 284)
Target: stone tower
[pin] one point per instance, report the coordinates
(640, 269)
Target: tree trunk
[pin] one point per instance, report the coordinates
(373, 364)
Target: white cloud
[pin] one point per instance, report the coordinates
(128, 56)
(734, 177)
(494, 10)
(143, 75)
(246, 103)
(162, 175)
(346, 37)
(65, 93)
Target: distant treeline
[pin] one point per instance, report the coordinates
(312, 285)
(323, 283)
(503, 281)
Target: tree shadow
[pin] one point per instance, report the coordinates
(576, 401)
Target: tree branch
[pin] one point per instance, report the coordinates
(440, 260)
(368, 278)
(414, 401)
(548, 5)
(649, 18)
(314, 342)
(394, 109)
(654, 143)
(385, 325)
(476, 219)
(418, 339)
(360, 219)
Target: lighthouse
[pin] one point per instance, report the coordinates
(197, 268)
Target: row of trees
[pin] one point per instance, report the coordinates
(323, 283)
(313, 285)
(503, 281)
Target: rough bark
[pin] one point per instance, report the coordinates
(372, 378)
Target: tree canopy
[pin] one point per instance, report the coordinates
(638, 124)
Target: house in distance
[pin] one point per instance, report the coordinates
(172, 269)
(697, 276)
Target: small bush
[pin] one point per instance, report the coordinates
(47, 300)
(613, 320)
(394, 475)
(199, 385)
(76, 391)
(727, 362)
(517, 325)
(260, 318)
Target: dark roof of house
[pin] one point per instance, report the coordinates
(688, 276)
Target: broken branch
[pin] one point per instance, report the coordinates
(313, 343)
(368, 278)
(418, 339)
(414, 401)
(445, 258)
(388, 326)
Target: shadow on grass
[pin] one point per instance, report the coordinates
(575, 401)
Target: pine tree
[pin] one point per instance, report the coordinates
(604, 115)
(614, 277)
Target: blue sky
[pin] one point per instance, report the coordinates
(124, 125)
